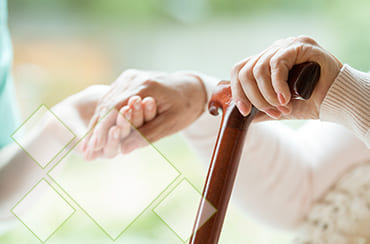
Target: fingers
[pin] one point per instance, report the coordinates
(112, 146)
(150, 108)
(93, 144)
(85, 141)
(135, 105)
(280, 65)
(237, 92)
(132, 142)
(123, 123)
(129, 118)
(250, 88)
(99, 137)
(262, 75)
(152, 128)
(149, 133)
(263, 78)
(91, 154)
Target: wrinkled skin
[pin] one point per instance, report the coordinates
(261, 80)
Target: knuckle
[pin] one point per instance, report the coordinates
(279, 62)
(235, 68)
(306, 39)
(275, 62)
(150, 87)
(281, 42)
(150, 82)
(242, 75)
(290, 40)
(259, 70)
(246, 75)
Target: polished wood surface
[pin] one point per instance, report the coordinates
(226, 155)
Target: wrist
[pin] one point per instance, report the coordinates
(200, 87)
(197, 91)
(333, 69)
(346, 103)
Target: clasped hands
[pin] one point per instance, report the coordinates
(160, 104)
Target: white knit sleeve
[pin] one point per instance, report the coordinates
(283, 172)
(348, 102)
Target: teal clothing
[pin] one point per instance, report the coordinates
(8, 110)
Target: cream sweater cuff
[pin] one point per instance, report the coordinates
(348, 101)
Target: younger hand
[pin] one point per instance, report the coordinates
(120, 136)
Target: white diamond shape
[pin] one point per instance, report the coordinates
(179, 209)
(114, 192)
(48, 147)
(43, 211)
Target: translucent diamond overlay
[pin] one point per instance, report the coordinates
(115, 192)
(32, 127)
(42, 210)
(178, 210)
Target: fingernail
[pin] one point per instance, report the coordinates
(242, 108)
(281, 99)
(283, 109)
(273, 113)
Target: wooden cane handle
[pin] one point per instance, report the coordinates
(226, 155)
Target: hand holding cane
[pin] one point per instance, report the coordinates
(226, 155)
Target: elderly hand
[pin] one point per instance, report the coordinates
(158, 104)
(261, 80)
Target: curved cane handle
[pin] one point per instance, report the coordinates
(226, 155)
(302, 81)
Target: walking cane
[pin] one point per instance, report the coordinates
(227, 151)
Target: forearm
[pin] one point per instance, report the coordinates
(18, 171)
(304, 164)
(274, 180)
(282, 171)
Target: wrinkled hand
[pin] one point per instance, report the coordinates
(261, 80)
(158, 104)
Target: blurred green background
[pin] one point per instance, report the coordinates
(63, 46)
